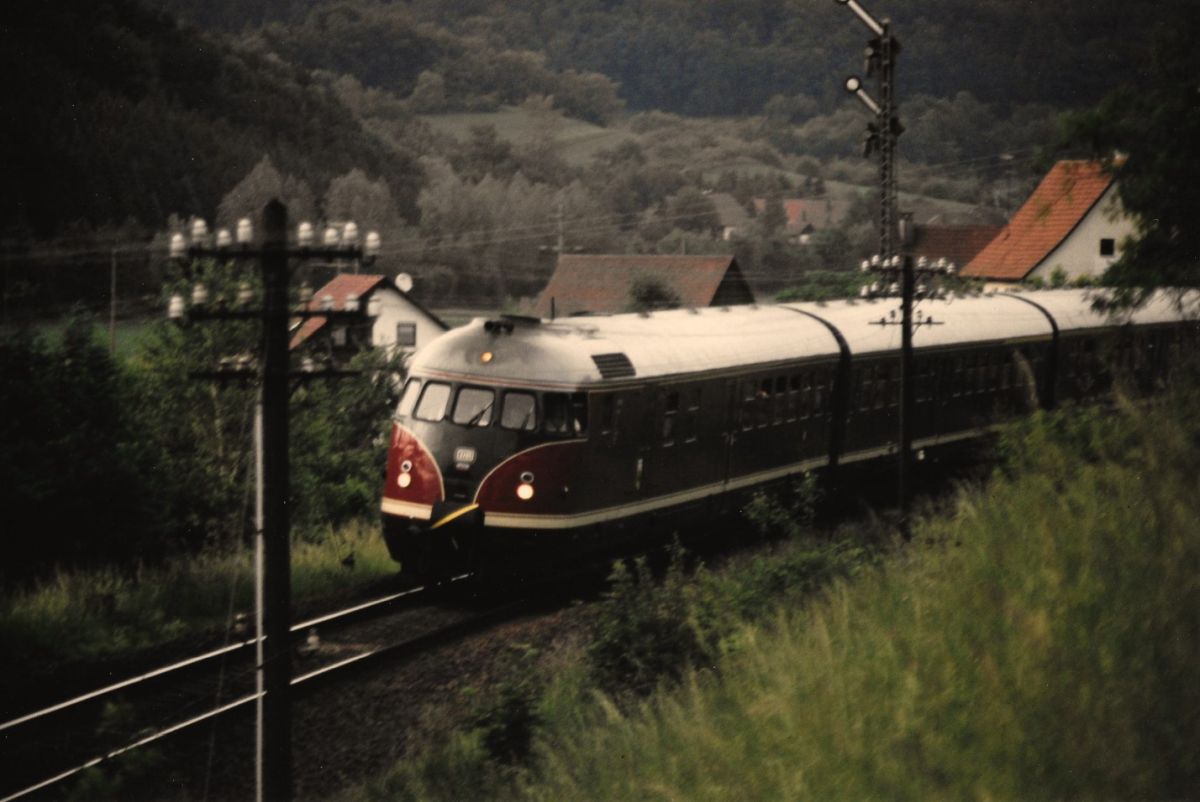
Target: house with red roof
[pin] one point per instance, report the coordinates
(1073, 223)
(807, 215)
(400, 323)
(601, 283)
(957, 244)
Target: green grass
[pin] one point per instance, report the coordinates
(579, 141)
(95, 614)
(1042, 643)
(130, 333)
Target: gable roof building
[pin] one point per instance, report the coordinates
(1072, 222)
(806, 215)
(958, 244)
(601, 283)
(402, 323)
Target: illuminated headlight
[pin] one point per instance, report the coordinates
(405, 477)
(524, 491)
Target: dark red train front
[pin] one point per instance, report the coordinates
(486, 439)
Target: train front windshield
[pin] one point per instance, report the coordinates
(556, 414)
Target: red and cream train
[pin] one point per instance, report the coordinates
(515, 433)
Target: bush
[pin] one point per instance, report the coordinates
(642, 631)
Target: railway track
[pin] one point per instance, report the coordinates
(49, 746)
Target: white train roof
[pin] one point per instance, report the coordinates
(578, 351)
(1076, 309)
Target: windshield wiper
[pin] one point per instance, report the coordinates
(478, 416)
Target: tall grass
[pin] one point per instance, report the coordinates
(98, 613)
(1041, 643)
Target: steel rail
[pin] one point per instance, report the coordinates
(129, 682)
(411, 646)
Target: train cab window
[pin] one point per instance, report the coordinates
(565, 414)
(519, 412)
(434, 398)
(408, 399)
(473, 407)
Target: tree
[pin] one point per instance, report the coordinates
(647, 293)
(368, 203)
(429, 95)
(71, 467)
(260, 185)
(774, 216)
(1146, 134)
(692, 210)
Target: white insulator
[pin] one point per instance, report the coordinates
(351, 304)
(224, 238)
(331, 236)
(326, 302)
(199, 230)
(245, 231)
(304, 234)
(178, 246)
(350, 233)
(373, 245)
(245, 294)
(199, 295)
(175, 307)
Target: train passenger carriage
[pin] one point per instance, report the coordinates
(517, 434)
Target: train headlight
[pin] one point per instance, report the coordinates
(524, 491)
(405, 477)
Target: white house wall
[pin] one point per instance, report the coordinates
(396, 309)
(1079, 253)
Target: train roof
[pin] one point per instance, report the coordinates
(1075, 310)
(582, 351)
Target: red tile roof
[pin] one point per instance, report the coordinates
(600, 283)
(340, 287)
(1056, 207)
(959, 244)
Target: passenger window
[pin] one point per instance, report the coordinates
(432, 406)
(408, 398)
(691, 421)
(670, 410)
(519, 412)
(474, 406)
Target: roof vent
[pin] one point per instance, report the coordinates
(614, 366)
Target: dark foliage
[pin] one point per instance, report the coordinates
(727, 57)
(1146, 133)
(118, 112)
(73, 477)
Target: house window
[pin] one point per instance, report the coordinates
(1108, 247)
(406, 334)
